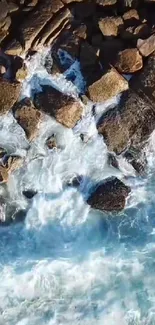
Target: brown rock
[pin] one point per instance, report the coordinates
(65, 109)
(12, 6)
(3, 9)
(9, 94)
(109, 196)
(13, 48)
(129, 61)
(131, 17)
(3, 34)
(111, 26)
(13, 162)
(51, 142)
(110, 85)
(35, 21)
(69, 1)
(128, 33)
(80, 31)
(28, 117)
(21, 73)
(32, 3)
(3, 175)
(105, 3)
(6, 23)
(124, 4)
(147, 46)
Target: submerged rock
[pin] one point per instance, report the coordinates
(109, 196)
(28, 117)
(29, 194)
(9, 94)
(51, 142)
(65, 109)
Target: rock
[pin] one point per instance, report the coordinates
(109, 50)
(75, 181)
(2, 70)
(147, 46)
(105, 3)
(28, 117)
(131, 18)
(3, 9)
(128, 125)
(12, 7)
(111, 26)
(65, 109)
(29, 194)
(34, 23)
(6, 24)
(110, 85)
(9, 94)
(112, 160)
(141, 31)
(69, 1)
(80, 31)
(21, 73)
(83, 10)
(54, 27)
(97, 40)
(128, 33)
(129, 61)
(89, 61)
(51, 142)
(11, 163)
(137, 160)
(13, 48)
(124, 4)
(3, 152)
(3, 174)
(110, 196)
(3, 34)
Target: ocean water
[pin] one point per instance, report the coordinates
(67, 263)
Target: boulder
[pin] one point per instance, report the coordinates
(141, 31)
(147, 46)
(9, 94)
(84, 10)
(51, 142)
(129, 61)
(3, 174)
(29, 194)
(28, 117)
(128, 125)
(109, 196)
(108, 86)
(3, 9)
(2, 69)
(65, 109)
(3, 152)
(109, 50)
(111, 26)
(131, 18)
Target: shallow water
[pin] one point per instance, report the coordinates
(68, 264)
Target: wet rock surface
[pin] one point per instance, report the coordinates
(129, 61)
(65, 109)
(109, 196)
(9, 94)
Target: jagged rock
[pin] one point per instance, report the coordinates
(51, 142)
(65, 109)
(89, 61)
(14, 48)
(34, 23)
(112, 160)
(131, 18)
(54, 27)
(110, 85)
(105, 3)
(9, 94)
(109, 50)
(21, 73)
(12, 7)
(75, 181)
(141, 31)
(3, 152)
(28, 117)
(147, 46)
(110, 196)
(32, 3)
(11, 163)
(3, 34)
(111, 26)
(129, 61)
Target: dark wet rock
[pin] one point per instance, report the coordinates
(3, 9)
(3, 152)
(12, 6)
(70, 1)
(128, 125)
(129, 61)
(111, 26)
(51, 142)
(9, 94)
(109, 196)
(28, 117)
(109, 50)
(147, 46)
(75, 181)
(141, 31)
(110, 85)
(29, 194)
(112, 160)
(80, 31)
(84, 9)
(65, 109)
(137, 160)
(89, 61)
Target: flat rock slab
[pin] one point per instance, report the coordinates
(9, 94)
(129, 61)
(109, 196)
(110, 85)
(111, 26)
(65, 109)
(147, 46)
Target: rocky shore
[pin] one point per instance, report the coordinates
(112, 40)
